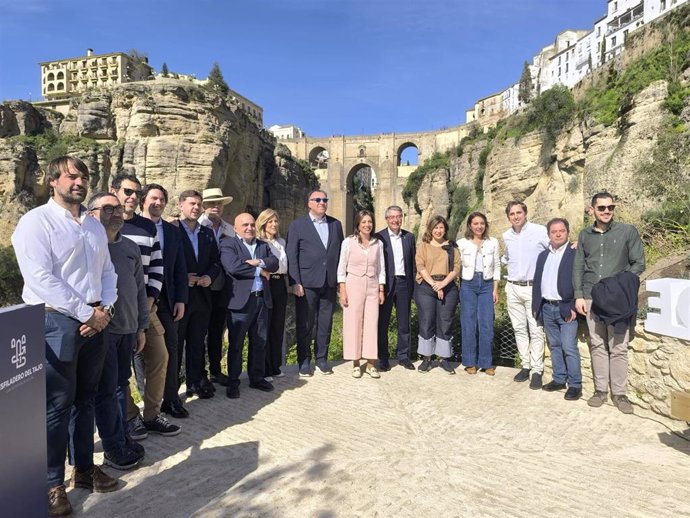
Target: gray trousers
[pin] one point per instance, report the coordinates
(609, 352)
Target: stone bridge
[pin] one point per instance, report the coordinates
(337, 159)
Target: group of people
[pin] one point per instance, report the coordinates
(122, 286)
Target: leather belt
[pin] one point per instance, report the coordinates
(438, 277)
(401, 277)
(552, 302)
(521, 283)
(259, 293)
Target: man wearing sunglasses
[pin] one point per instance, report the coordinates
(143, 232)
(604, 250)
(313, 250)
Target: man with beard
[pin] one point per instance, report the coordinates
(63, 256)
(122, 337)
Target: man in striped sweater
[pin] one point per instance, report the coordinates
(143, 232)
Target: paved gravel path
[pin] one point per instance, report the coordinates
(409, 444)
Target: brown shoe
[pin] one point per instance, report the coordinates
(490, 371)
(471, 370)
(58, 503)
(93, 479)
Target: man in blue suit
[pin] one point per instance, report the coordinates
(399, 253)
(174, 293)
(247, 261)
(553, 305)
(313, 250)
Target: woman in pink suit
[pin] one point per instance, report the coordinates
(361, 280)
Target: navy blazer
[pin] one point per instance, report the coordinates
(208, 263)
(564, 284)
(174, 266)
(310, 263)
(409, 246)
(233, 256)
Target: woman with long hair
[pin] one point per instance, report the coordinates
(481, 271)
(438, 265)
(267, 226)
(361, 281)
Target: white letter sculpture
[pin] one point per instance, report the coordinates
(673, 303)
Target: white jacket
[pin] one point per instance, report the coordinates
(490, 255)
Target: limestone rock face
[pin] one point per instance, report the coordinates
(174, 134)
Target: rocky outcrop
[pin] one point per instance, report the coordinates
(174, 134)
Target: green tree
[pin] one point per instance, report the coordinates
(164, 70)
(216, 82)
(525, 86)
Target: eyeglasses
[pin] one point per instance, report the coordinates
(129, 192)
(111, 209)
(394, 218)
(319, 200)
(602, 208)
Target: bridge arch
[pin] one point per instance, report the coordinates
(360, 185)
(408, 154)
(318, 157)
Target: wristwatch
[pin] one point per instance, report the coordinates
(110, 310)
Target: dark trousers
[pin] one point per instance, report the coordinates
(276, 328)
(192, 331)
(402, 299)
(216, 329)
(71, 386)
(314, 308)
(252, 319)
(111, 403)
(172, 380)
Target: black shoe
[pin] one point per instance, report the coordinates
(133, 445)
(220, 379)
(136, 429)
(304, 370)
(206, 384)
(174, 409)
(323, 368)
(407, 364)
(425, 366)
(232, 392)
(552, 386)
(262, 385)
(162, 426)
(523, 375)
(535, 383)
(573, 393)
(383, 366)
(446, 366)
(122, 458)
(202, 392)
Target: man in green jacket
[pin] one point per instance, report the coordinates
(604, 250)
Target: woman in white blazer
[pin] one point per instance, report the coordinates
(481, 271)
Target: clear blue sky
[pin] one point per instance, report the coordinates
(328, 66)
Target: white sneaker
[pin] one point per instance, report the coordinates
(269, 378)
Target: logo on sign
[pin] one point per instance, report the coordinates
(19, 356)
(673, 303)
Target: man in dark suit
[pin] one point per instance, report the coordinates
(553, 305)
(399, 254)
(174, 293)
(203, 266)
(247, 261)
(313, 250)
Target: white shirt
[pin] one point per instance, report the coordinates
(278, 249)
(66, 265)
(345, 250)
(224, 229)
(549, 277)
(397, 247)
(522, 250)
(490, 260)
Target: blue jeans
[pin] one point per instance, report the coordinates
(111, 405)
(73, 368)
(477, 317)
(562, 340)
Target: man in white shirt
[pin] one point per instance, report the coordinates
(63, 256)
(524, 241)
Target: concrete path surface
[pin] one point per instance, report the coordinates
(408, 444)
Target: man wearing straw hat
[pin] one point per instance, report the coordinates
(213, 202)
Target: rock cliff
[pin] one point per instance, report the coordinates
(174, 134)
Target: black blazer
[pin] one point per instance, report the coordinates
(310, 263)
(409, 251)
(565, 284)
(174, 267)
(207, 264)
(233, 255)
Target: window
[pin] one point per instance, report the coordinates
(566, 68)
(663, 4)
(598, 31)
(559, 71)
(613, 42)
(615, 6)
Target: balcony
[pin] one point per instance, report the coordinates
(630, 16)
